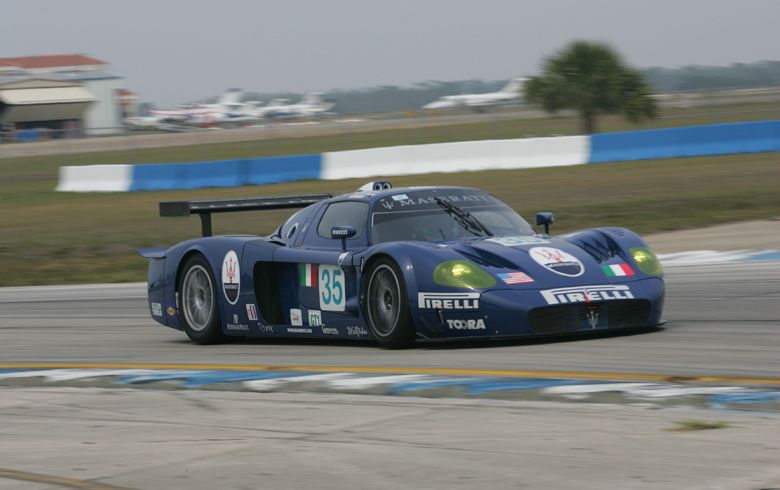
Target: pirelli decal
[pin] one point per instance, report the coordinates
(586, 294)
(448, 301)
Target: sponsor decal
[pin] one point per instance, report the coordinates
(448, 301)
(315, 318)
(298, 330)
(357, 331)
(514, 241)
(557, 261)
(478, 324)
(586, 294)
(617, 270)
(342, 257)
(331, 288)
(156, 309)
(236, 325)
(516, 277)
(265, 328)
(307, 273)
(296, 318)
(251, 312)
(330, 330)
(231, 277)
(170, 310)
(400, 197)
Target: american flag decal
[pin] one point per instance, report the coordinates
(515, 277)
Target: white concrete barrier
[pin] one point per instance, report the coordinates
(95, 178)
(456, 157)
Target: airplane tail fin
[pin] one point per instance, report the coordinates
(231, 97)
(514, 86)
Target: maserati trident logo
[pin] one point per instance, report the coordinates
(231, 277)
(592, 316)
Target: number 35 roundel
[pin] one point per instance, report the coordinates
(331, 288)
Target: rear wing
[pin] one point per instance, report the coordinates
(205, 208)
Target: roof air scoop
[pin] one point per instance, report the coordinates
(379, 185)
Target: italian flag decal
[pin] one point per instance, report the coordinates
(308, 274)
(617, 270)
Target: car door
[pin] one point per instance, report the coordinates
(319, 282)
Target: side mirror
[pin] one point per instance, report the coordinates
(545, 219)
(343, 233)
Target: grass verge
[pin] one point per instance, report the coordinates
(54, 238)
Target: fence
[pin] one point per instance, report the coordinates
(462, 156)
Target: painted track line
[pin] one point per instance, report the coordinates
(396, 370)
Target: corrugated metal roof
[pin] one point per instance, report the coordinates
(31, 96)
(50, 61)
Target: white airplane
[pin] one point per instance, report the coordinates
(227, 110)
(311, 105)
(512, 92)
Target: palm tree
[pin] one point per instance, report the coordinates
(592, 79)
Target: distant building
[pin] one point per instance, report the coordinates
(56, 108)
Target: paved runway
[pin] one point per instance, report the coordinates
(724, 320)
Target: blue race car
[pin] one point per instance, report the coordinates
(395, 265)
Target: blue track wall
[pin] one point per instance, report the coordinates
(225, 173)
(715, 139)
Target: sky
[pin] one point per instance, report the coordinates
(175, 51)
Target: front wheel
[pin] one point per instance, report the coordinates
(199, 307)
(387, 308)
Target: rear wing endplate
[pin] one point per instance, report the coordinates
(206, 208)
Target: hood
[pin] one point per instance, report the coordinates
(587, 258)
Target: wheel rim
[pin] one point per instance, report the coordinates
(198, 298)
(384, 300)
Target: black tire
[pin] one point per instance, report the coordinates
(199, 302)
(387, 306)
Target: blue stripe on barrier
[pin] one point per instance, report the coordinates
(714, 139)
(522, 384)
(225, 173)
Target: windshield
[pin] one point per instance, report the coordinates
(420, 216)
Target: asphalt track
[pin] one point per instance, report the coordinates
(723, 321)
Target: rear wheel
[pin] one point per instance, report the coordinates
(199, 304)
(387, 308)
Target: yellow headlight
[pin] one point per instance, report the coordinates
(459, 269)
(646, 261)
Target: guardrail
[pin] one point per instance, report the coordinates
(716, 139)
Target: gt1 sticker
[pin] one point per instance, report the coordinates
(231, 277)
(331, 288)
(295, 317)
(251, 312)
(157, 309)
(514, 241)
(586, 294)
(478, 324)
(557, 261)
(448, 301)
(315, 318)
